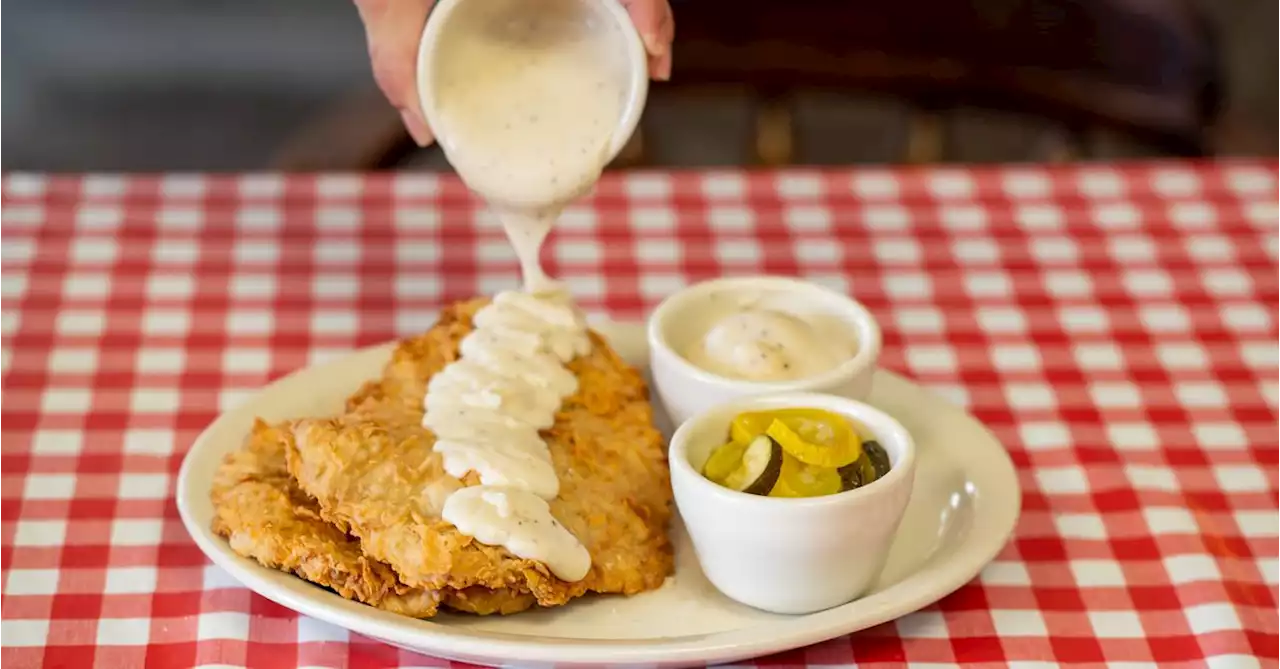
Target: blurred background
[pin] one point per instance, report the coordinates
(222, 85)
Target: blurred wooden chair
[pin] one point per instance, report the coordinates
(1146, 70)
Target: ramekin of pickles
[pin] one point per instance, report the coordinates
(795, 452)
(792, 500)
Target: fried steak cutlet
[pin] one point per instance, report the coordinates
(358, 509)
(264, 515)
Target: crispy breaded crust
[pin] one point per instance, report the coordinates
(264, 515)
(374, 474)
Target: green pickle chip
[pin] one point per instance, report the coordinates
(724, 460)
(879, 459)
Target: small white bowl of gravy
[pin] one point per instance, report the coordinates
(530, 100)
(741, 336)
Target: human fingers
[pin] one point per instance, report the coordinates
(660, 65)
(392, 30)
(655, 23)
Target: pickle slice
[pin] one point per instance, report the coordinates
(858, 473)
(833, 450)
(816, 425)
(879, 459)
(851, 475)
(760, 468)
(724, 460)
(748, 426)
(800, 480)
(868, 469)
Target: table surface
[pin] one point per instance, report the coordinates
(1114, 325)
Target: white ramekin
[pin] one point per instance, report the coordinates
(440, 20)
(685, 389)
(788, 555)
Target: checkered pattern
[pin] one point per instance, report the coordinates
(1115, 325)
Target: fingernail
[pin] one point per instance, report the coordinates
(656, 47)
(418, 130)
(662, 68)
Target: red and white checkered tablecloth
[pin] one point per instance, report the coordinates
(1115, 325)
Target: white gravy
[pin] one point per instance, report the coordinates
(528, 95)
(762, 344)
(487, 409)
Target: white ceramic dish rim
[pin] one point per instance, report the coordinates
(638, 59)
(870, 339)
(932, 581)
(679, 448)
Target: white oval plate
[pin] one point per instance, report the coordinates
(963, 510)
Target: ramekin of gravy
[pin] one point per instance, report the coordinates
(740, 336)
